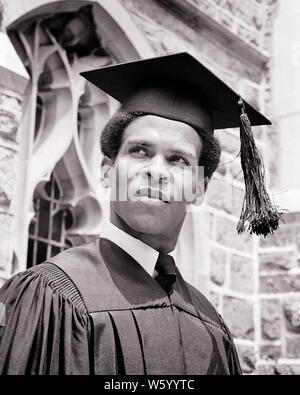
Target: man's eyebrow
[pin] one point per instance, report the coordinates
(140, 142)
(183, 152)
(175, 151)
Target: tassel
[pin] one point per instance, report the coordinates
(258, 214)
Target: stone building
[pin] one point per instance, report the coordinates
(51, 119)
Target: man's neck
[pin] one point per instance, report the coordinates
(158, 242)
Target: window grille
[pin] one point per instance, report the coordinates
(47, 231)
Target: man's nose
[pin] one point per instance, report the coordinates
(157, 170)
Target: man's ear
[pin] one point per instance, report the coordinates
(202, 188)
(106, 166)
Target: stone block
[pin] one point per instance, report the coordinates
(292, 217)
(224, 196)
(217, 266)
(271, 319)
(291, 309)
(288, 369)
(4, 199)
(7, 175)
(238, 315)
(226, 235)
(235, 170)
(254, 95)
(10, 115)
(241, 274)
(12, 80)
(247, 358)
(293, 348)
(283, 283)
(209, 223)
(223, 163)
(6, 248)
(8, 125)
(297, 237)
(10, 105)
(266, 369)
(277, 261)
(270, 352)
(285, 235)
(229, 142)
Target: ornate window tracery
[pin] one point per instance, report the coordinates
(63, 118)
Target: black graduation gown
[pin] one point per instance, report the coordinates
(117, 320)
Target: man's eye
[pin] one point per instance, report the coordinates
(179, 160)
(138, 151)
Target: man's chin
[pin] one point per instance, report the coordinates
(147, 223)
(148, 218)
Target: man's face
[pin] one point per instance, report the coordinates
(155, 174)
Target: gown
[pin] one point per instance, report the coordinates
(93, 310)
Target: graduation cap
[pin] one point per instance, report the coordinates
(180, 88)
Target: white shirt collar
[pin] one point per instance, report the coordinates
(145, 255)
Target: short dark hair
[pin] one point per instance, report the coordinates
(111, 140)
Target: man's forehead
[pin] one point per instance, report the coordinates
(155, 121)
(150, 130)
(149, 125)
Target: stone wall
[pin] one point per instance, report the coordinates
(10, 114)
(12, 87)
(279, 282)
(249, 20)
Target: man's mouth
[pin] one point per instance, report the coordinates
(152, 194)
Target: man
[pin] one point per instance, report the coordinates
(119, 305)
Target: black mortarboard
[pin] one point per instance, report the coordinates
(179, 87)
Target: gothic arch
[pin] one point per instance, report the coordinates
(63, 114)
(118, 30)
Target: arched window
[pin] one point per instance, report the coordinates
(48, 228)
(60, 133)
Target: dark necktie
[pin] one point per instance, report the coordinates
(165, 267)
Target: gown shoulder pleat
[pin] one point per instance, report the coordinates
(46, 328)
